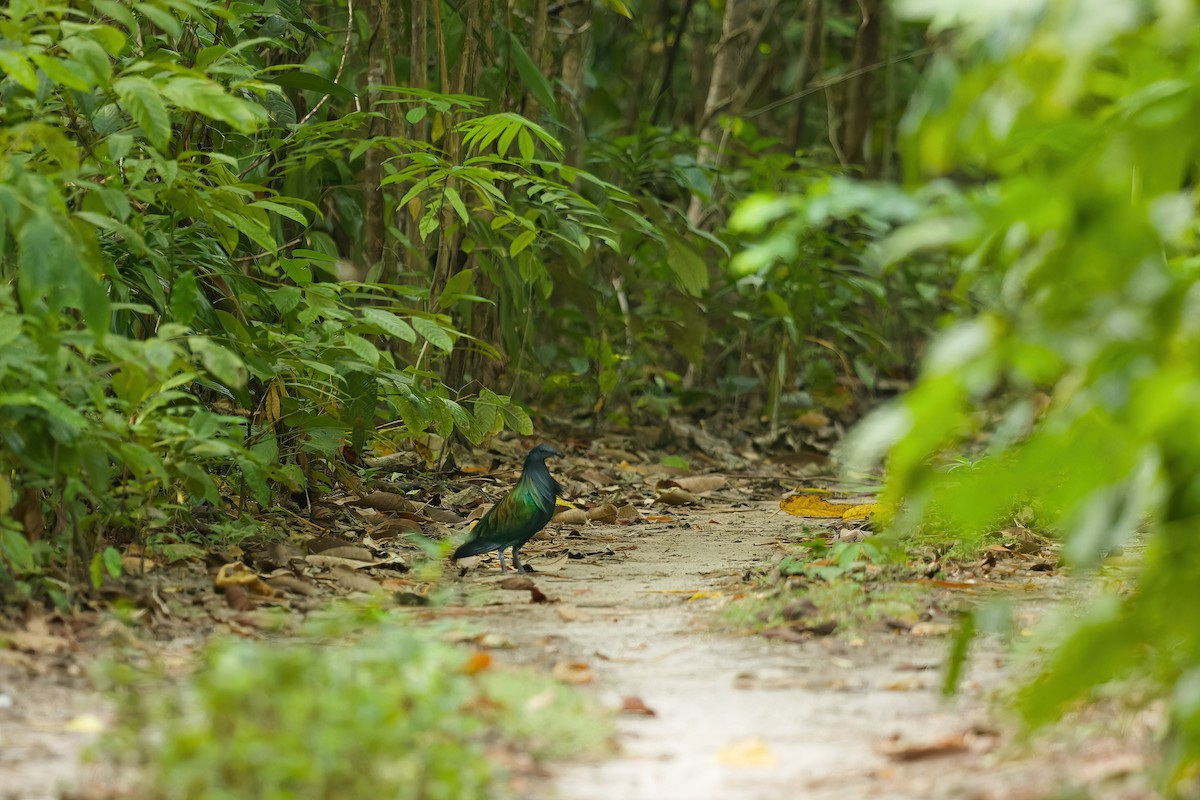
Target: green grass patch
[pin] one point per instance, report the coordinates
(357, 707)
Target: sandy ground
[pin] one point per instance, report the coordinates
(742, 717)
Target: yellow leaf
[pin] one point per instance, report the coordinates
(861, 511)
(748, 753)
(808, 505)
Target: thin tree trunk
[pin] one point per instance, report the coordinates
(664, 87)
(812, 56)
(418, 79)
(732, 52)
(857, 111)
(537, 49)
(577, 19)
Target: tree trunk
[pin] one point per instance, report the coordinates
(857, 115)
(730, 59)
(812, 60)
(576, 19)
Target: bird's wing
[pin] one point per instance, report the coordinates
(507, 521)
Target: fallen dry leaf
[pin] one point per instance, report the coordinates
(932, 629)
(674, 496)
(811, 505)
(516, 583)
(571, 516)
(918, 751)
(235, 573)
(628, 512)
(384, 501)
(355, 582)
(696, 484)
(748, 753)
(605, 513)
(85, 723)
(478, 662)
(329, 562)
(635, 705)
(574, 673)
(572, 614)
(352, 552)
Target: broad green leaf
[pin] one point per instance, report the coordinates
(361, 348)
(532, 77)
(389, 323)
(521, 241)
(16, 551)
(434, 333)
(140, 98)
(112, 561)
(210, 99)
(310, 81)
(281, 210)
(17, 67)
(688, 265)
(185, 298)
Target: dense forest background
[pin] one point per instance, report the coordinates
(243, 245)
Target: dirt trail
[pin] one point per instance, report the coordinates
(743, 717)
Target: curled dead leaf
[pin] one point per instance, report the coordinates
(571, 614)
(635, 705)
(572, 516)
(695, 484)
(918, 751)
(604, 513)
(236, 573)
(574, 673)
(675, 496)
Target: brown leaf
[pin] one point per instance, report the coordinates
(605, 513)
(572, 516)
(574, 673)
(352, 552)
(917, 751)
(396, 526)
(353, 581)
(329, 562)
(442, 515)
(932, 629)
(29, 511)
(516, 583)
(628, 512)
(675, 496)
(287, 583)
(696, 484)
(384, 501)
(597, 478)
(813, 420)
(635, 705)
(238, 597)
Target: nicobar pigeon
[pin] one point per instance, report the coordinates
(519, 514)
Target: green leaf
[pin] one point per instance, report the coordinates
(521, 241)
(185, 298)
(17, 67)
(220, 362)
(210, 99)
(532, 77)
(389, 323)
(434, 333)
(687, 264)
(16, 551)
(312, 82)
(140, 98)
(281, 210)
(415, 115)
(516, 418)
(361, 348)
(112, 561)
(165, 20)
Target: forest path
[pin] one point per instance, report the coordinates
(744, 717)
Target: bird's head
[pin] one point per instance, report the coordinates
(542, 452)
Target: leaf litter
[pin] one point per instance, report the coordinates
(646, 583)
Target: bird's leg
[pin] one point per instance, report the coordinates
(503, 566)
(517, 561)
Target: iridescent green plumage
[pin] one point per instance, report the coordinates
(519, 514)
